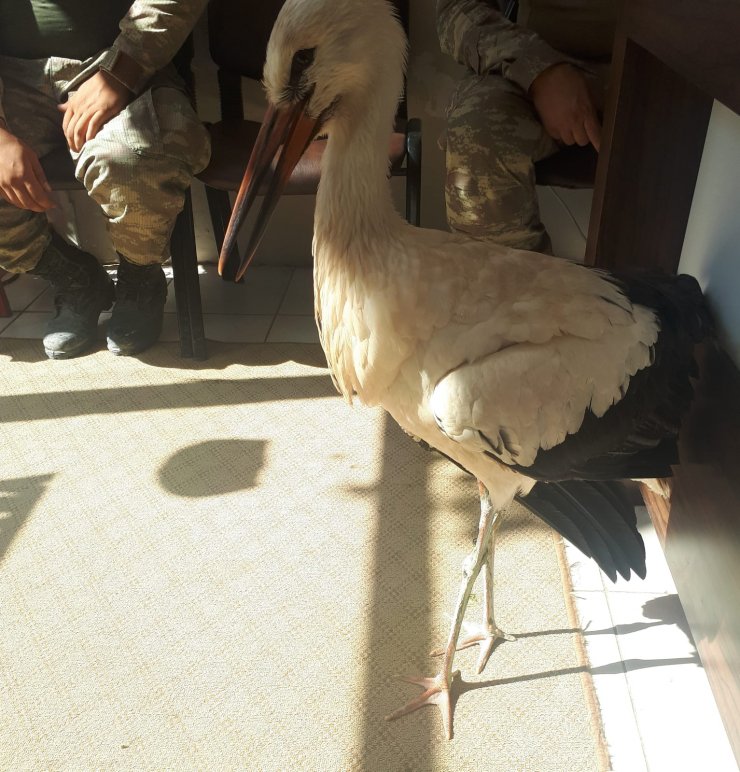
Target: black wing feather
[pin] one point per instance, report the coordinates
(548, 506)
(636, 437)
(597, 514)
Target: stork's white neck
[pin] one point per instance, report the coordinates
(356, 250)
(353, 204)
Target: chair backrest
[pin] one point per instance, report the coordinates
(183, 62)
(238, 33)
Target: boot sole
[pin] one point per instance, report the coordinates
(127, 351)
(53, 354)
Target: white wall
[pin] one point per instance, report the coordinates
(711, 249)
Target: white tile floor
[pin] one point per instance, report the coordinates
(658, 711)
(274, 306)
(656, 703)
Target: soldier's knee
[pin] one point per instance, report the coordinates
(486, 95)
(159, 131)
(183, 136)
(491, 123)
(106, 158)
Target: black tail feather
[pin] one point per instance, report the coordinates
(553, 506)
(549, 511)
(620, 500)
(616, 531)
(597, 518)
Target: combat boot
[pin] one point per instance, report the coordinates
(82, 291)
(136, 321)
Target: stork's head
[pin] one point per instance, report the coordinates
(326, 59)
(332, 52)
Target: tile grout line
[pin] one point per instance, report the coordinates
(17, 315)
(570, 214)
(10, 319)
(579, 604)
(280, 304)
(626, 679)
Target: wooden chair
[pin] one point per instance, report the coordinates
(238, 36)
(572, 167)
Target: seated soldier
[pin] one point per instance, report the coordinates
(531, 87)
(97, 77)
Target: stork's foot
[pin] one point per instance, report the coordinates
(436, 692)
(484, 636)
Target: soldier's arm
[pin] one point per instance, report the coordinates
(151, 34)
(22, 180)
(476, 34)
(100, 98)
(479, 36)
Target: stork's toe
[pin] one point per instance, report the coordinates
(485, 636)
(436, 692)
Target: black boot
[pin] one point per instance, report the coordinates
(136, 321)
(82, 290)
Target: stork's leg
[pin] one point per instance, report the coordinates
(488, 633)
(437, 689)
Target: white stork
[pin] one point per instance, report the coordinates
(545, 379)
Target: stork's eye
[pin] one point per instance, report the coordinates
(302, 60)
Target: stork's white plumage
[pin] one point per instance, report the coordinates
(518, 366)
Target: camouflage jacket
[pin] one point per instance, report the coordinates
(151, 33)
(475, 33)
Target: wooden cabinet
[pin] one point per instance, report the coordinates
(672, 59)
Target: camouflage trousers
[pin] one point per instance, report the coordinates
(138, 167)
(493, 139)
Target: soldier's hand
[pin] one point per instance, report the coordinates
(22, 180)
(100, 98)
(566, 108)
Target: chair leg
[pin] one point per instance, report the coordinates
(219, 206)
(413, 172)
(5, 309)
(187, 284)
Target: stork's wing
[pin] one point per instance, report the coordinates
(528, 398)
(599, 407)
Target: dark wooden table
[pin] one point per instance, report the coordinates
(672, 59)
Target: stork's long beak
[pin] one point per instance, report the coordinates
(285, 134)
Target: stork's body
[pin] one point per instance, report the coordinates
(517, 366)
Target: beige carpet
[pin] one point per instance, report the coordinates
(221, 566)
